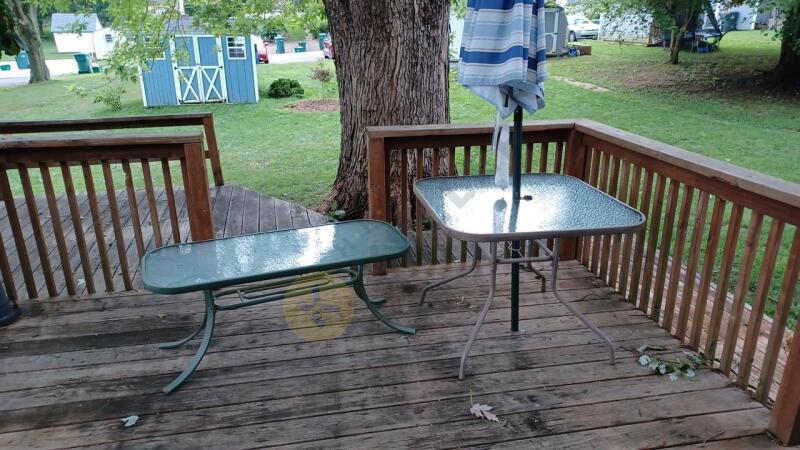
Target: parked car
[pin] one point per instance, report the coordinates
(327, 48)
(261, 50)
(581, 28)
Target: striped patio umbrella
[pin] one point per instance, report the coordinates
(502, 60)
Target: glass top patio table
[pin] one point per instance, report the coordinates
(473, 208)
(219, 263)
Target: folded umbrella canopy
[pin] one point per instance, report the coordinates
(503, 61)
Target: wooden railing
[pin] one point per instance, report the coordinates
(204, 119)
(95, 241)
(720, 247)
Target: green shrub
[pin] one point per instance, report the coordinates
(285, 87)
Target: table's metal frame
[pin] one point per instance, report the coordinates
(551, 255)
(255, 294)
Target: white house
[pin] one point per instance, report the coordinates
(82, 33)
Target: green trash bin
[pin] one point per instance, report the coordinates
(280, 45)
(301, 47)
(322, 37)
(84, 62)
(22, 60)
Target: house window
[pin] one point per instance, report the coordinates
(109, 38)
(236, 47)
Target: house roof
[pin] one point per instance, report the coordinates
(184, 25)
(68, 23)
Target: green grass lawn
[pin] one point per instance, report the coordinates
(708, 104)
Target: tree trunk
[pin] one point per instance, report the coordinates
(391, 69)
(26, 31)
(788, 69)
(677, 41)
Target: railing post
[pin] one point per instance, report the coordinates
(377, 182)
(785, 421)
(198, 200)
(575, 165)
(213, 150)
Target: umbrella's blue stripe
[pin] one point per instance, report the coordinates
(497, 4)
(516, 51)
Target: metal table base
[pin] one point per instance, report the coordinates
(551, 255)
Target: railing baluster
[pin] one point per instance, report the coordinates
(173, 210)
(652, 243)
(723, 281)
(155, 223)
(759, 302)
(782, 312)
(434, 228)
(38, 234)
(742, 288)
(16, 232)
(451, 170)
(102, 248)
(712, 244)
(613, 186)
(404, 188)
(633, 201)
(597, 241)
(543, 157)
(594, 168)
(58, 231)
(663, 251)
(529, 157)
(466, 172)
(119, 239)
(136, 222)
(691, 269)
(557, 165)
(677, 257)
(616, 242)
(77, 227)
(482, 161)
(638, 253)
(420, 213)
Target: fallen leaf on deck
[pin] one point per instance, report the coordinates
(483, 412)
(130, 421)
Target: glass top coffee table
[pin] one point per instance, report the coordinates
(552, 206)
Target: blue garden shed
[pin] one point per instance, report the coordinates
(197, 67)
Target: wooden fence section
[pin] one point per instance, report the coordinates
(705, 267)
(204, 119)
(38, 164)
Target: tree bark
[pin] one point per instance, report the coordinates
(787, 71)
(391, 69)
(26, 31)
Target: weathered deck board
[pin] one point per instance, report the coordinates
(236, 210)
(273, 376)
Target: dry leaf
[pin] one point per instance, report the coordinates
(483, 412)
(130, 421)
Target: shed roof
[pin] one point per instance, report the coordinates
(68, 23)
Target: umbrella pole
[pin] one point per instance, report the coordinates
(516, 146)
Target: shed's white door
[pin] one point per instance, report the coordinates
(199, 70)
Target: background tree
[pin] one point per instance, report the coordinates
(24, 16)
(8, 44)
(787, 71)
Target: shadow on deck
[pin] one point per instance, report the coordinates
(298, 375)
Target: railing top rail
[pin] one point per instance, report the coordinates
(460, 129)
(94, 141)
(103, 123)
(737, 177)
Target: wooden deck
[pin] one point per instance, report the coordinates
(236, 211)
(299, 375)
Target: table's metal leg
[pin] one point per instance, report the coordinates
(587, 322)
(482, 316)
(536, 272)
(358, 287)
(176, 344)
(475, 257)
(211, 310)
